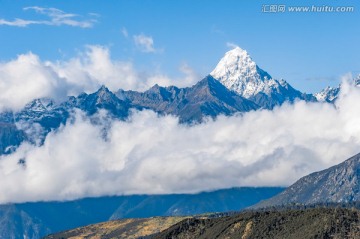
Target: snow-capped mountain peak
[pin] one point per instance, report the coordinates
(329, 94)
(40, 105)
(236, 59)
(238, 72)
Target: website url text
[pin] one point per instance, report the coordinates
(273, 8)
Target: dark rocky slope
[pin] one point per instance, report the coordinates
(339, 183)
(310, 223)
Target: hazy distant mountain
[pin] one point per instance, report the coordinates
(33, 220)
(340, 183)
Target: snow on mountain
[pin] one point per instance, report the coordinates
(238, 72)
(40, 105)
(330, 94)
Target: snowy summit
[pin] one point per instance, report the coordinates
(239, 73)
(329, 94)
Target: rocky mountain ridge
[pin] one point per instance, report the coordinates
(338, 184)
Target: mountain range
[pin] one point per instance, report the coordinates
(236, 85)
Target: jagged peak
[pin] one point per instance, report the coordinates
(103, 88)
(104, 92)
(328, 94)
(155, 87)
(207, 81)
(40, 104)
(239, 73)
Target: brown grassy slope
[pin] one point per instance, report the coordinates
(309, 223)
(127, 228)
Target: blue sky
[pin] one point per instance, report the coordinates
(309, 50)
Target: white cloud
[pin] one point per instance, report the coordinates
(144, 43)
(28, 77)
(17, 22)
(93, 68)
(151, 154)
(56, 17)
(191, 76)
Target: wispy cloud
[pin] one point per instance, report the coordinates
(191, 76)
(56, 17)
(144, 43)
(216, 30)
(231, 45)
(124, 32)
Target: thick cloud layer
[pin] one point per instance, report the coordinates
(28, 77)
(151, 154)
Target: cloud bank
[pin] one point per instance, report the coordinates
(56, 17)
(28, 77)
(152, 154)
